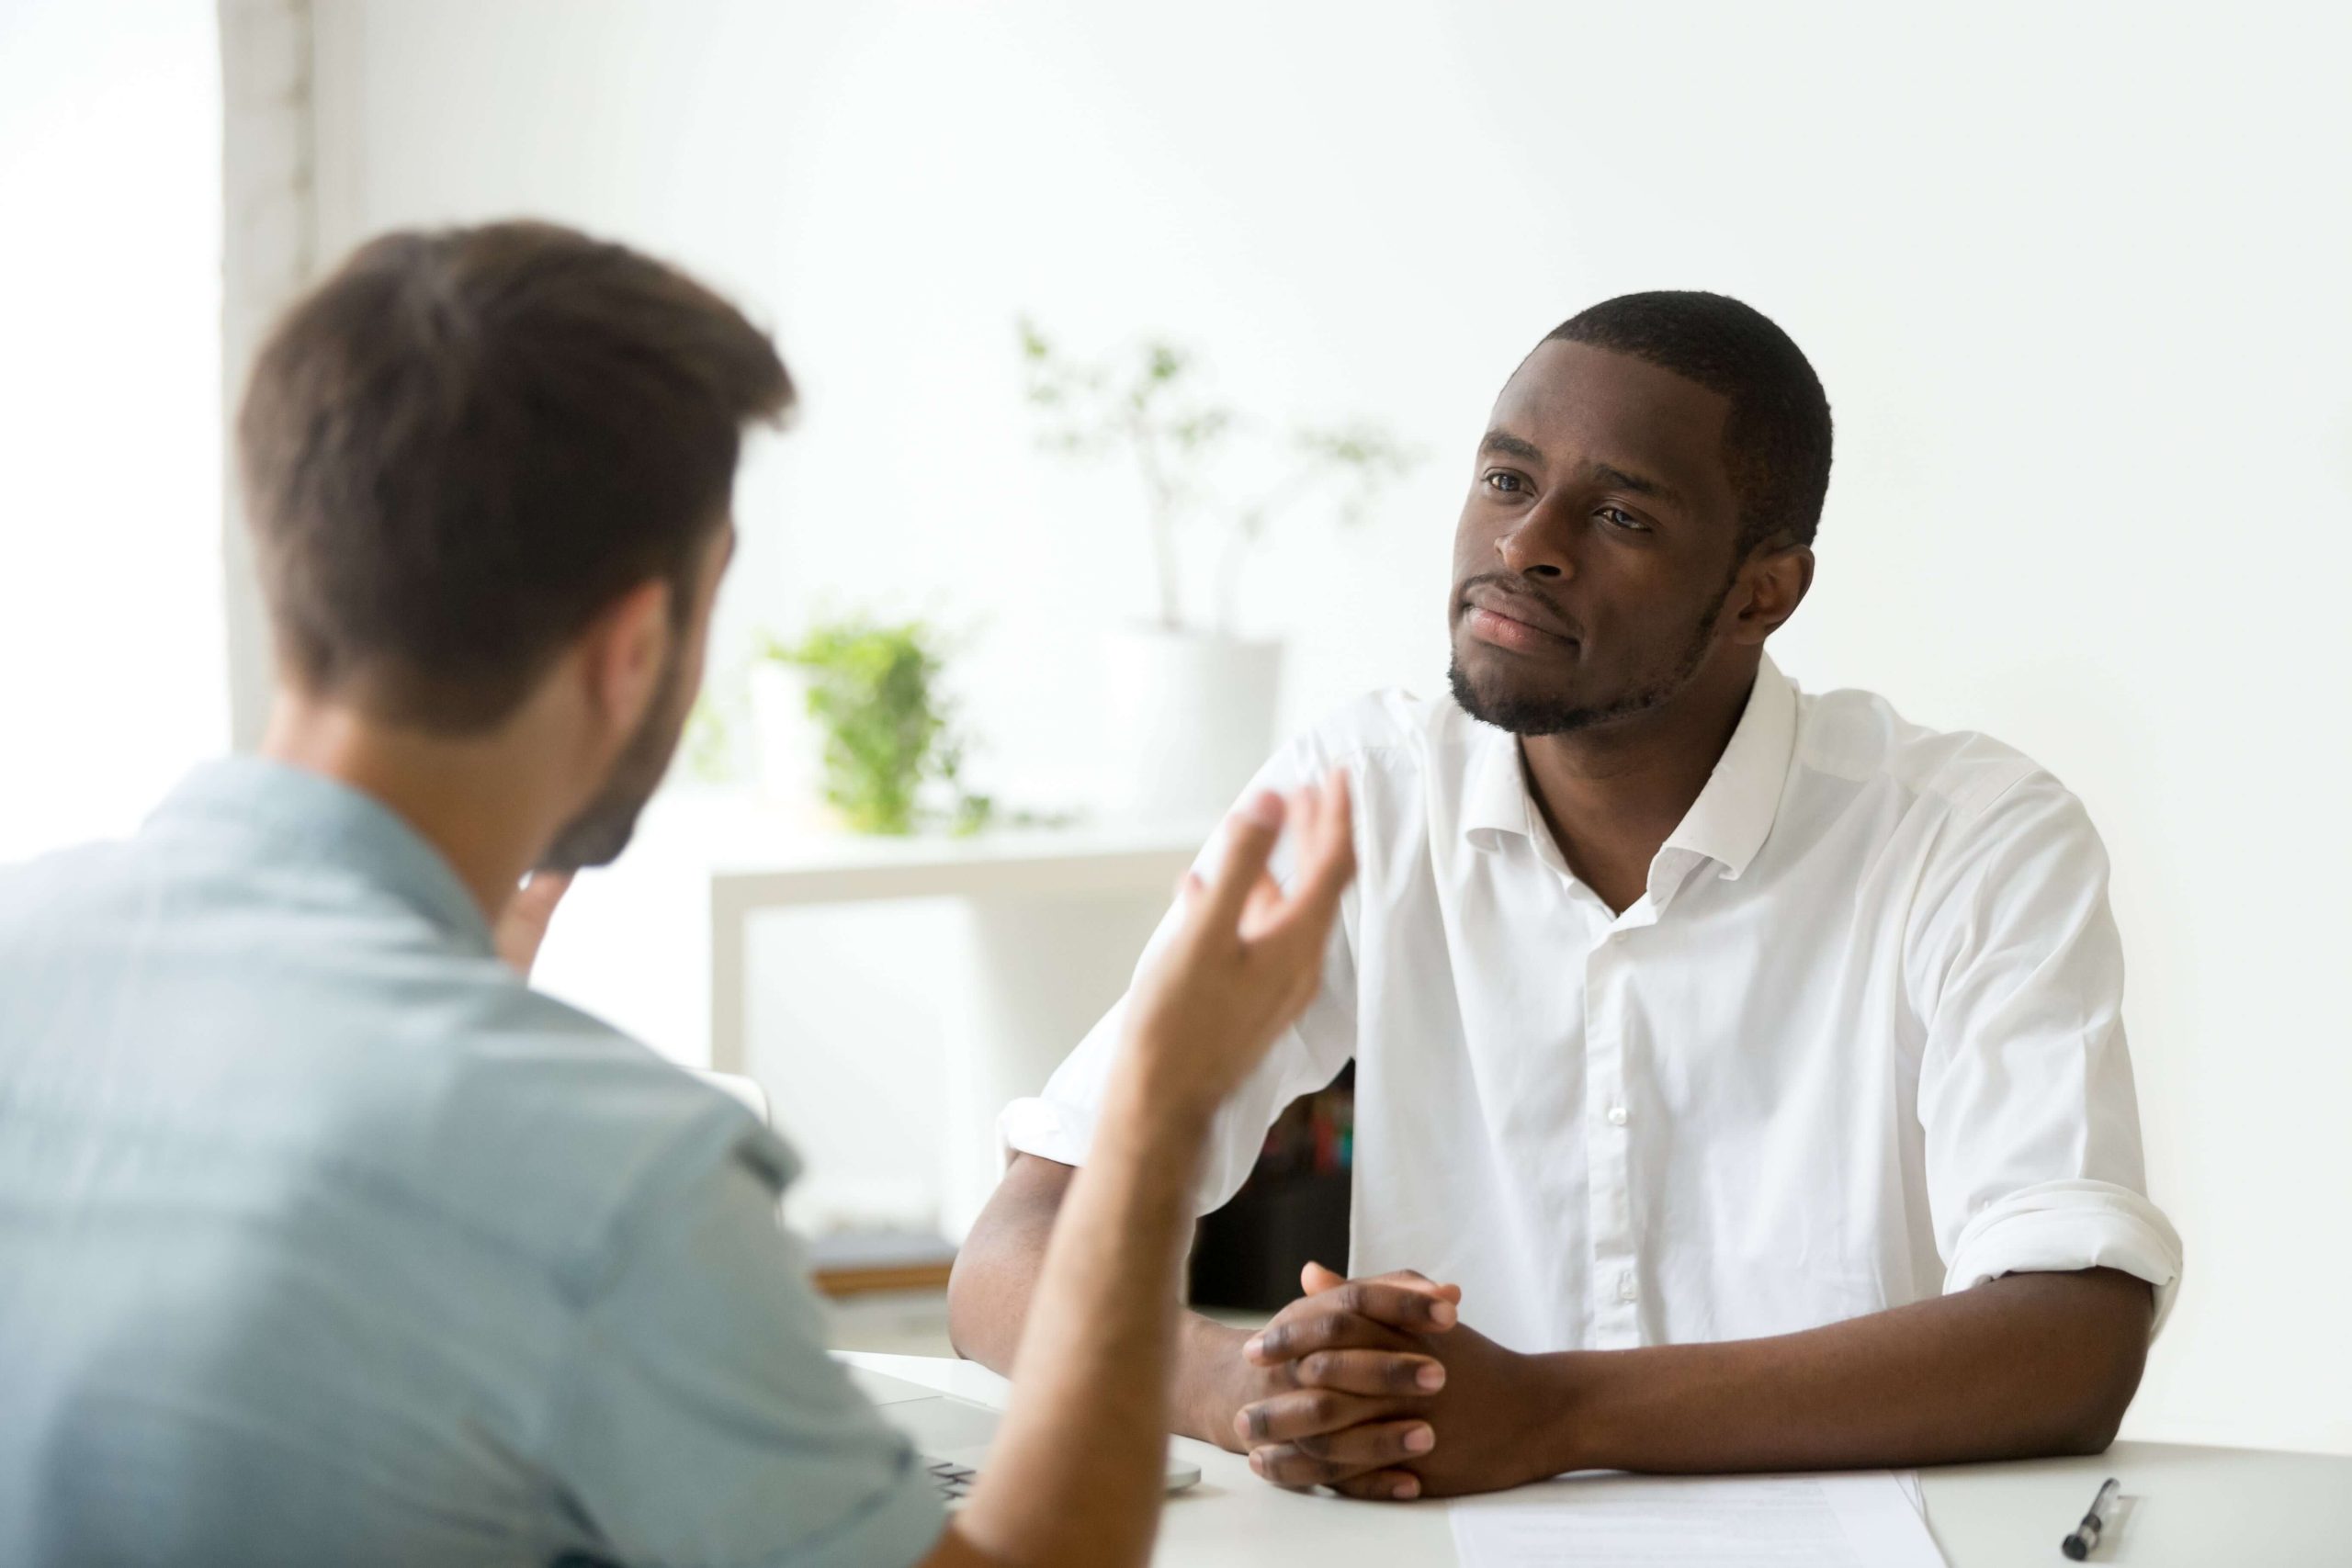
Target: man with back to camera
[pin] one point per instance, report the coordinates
(322, 1238)
(1748, 1062)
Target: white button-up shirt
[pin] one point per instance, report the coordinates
(1857, 1042)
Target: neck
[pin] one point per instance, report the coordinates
(1613, 794)
(468, 797)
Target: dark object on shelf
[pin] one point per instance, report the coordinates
(1293, 1208)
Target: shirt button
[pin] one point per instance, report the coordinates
(1626, 1289)
(1617, 1117)
(1618, 938)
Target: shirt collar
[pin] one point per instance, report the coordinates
(309, 816)
(1727, 824)
(1494, 792)
(1732, 816)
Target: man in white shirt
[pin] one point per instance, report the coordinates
(1749, 1061)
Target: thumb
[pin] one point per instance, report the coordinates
(1414, 1279)
(1314, 1279)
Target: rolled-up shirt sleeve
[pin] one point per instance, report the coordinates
(2025, 1097)
(1058, 1123)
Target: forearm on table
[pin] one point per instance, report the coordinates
(996, 1279)
(2025, 1365)
(995, 1276)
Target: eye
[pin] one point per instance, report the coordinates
(1504, 480)
(1617, 517)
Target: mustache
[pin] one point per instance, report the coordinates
(1510, 585)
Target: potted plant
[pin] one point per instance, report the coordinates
(889, 755)
(1196, 713)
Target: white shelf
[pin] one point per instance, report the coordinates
(1048, 922)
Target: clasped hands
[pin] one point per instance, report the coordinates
(1374, 1388)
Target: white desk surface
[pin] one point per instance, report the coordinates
(2192, 1507)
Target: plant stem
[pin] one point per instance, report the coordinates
(1160, 504)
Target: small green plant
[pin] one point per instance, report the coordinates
(888, 734)
(708, 747)
(1146, 407)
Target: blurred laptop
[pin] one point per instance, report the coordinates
(952, 1435)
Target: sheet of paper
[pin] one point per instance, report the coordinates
(1864, 1520)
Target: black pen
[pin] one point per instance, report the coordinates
(2085, 1541)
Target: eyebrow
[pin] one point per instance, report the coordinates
(1502, 443)
(1637, 483)
(1505, 444)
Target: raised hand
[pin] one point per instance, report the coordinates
(1246, 957)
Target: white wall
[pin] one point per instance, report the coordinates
(111, 644)
(2074, 275)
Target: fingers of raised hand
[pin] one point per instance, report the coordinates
(1243, 894)
(1249, 836)
(1326, 844)
(1323, 842)
(1323, 1459)
(1264, 905)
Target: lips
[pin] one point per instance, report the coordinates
(1511, 621)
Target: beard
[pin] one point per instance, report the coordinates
(1543, 713)
(604, 827)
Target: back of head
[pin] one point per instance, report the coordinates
(466, 443)
(1777, 439)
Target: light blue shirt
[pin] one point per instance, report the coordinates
(323, 1239)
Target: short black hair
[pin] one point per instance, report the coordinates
(1776, 441)
(467, 442)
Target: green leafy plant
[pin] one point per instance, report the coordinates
(888, 733)
(1147, 406)
(706, 752)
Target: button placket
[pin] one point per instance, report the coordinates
(1613, 1259)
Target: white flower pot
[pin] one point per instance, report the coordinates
(1193, 717)
(788, 746)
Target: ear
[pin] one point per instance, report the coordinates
(622, 654)
(1772, 583)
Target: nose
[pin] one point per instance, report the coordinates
(1537, 546)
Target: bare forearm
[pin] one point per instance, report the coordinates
(2027, 1365)
(1075, 1473)
(1074, 1476)
(995, 1270)
(996, 1279)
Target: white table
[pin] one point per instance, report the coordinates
(2192, 1507)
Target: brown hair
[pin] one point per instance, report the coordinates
(465, 443)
